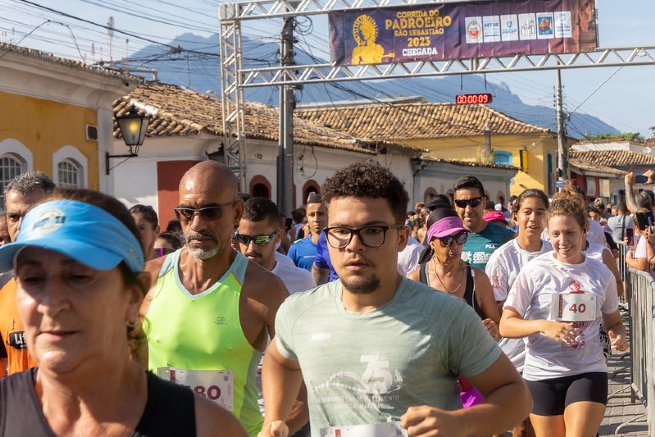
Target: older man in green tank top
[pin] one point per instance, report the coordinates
(211, 311)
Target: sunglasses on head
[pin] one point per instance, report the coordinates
(259, 240)
(459, 238)
(463, 203)
(211, 212)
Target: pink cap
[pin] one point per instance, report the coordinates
(494, 215)
(446, 226)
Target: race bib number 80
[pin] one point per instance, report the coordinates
(215, 385)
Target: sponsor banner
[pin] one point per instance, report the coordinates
(462, 31)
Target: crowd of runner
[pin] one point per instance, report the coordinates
(353, 317)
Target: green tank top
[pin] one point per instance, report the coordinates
(203, 332)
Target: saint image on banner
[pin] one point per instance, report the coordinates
(365, 32)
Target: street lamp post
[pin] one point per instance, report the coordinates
(133, 127)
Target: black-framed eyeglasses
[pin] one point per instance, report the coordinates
(371, 236)
(259, 240)
(459, 238)
(474, 201)
(209, 212)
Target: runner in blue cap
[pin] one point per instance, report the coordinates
(79, 268)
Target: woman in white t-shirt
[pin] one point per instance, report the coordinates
(507, 261)
(529, 213)
(558, 301)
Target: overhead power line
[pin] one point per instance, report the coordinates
(123, 32)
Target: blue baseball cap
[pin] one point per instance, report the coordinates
(86, 233)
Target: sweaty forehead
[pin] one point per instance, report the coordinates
(206, 190)
(313, 207)
(356, 211)
(255, 228)
(467, 193)
(17, 202)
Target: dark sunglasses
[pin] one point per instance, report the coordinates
(463, 203)
(212, 212)
(459, 238)
(259, 240)
(162, 251)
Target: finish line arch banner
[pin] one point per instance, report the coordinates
(444, 31)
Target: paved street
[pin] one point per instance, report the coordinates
(619, 408)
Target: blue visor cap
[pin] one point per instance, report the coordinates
(86, 233)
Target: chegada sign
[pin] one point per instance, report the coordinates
(462, 31)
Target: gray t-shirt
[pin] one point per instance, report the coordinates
(617, 226)
(366, 368)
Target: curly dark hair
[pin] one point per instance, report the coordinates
(368, 180)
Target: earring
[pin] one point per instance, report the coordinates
(130, 325)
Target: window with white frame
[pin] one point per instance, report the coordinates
(69, 168)
(10, 167)
(69, 174)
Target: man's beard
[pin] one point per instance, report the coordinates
(361, 285)
(199, 253)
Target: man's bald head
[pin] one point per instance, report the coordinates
(210, 187)
(209, 175)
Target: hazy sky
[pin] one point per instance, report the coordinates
(625, 101)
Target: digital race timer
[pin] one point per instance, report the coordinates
(468, 99)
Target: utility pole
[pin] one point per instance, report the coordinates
(562, 158)
(110, 32)
(287, 105)
(487, 144)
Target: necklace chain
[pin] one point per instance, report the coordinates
(454, 290)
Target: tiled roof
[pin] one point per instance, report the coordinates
(70, 63)
(469, 163)
(185, 112)
(613, 158)
(608, 141)
(400, 121)
(591, 166)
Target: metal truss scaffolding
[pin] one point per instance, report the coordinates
(235, 78)
(234, 146)
(319, 73)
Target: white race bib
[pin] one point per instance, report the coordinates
(215, 385)
(387, 429)
(574, 307)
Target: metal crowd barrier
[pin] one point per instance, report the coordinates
(642, 335)
(621, 264)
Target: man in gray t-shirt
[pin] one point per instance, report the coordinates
(376, 350)
(619, 223)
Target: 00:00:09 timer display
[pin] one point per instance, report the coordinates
(466, 99)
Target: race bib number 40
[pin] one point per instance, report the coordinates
(574, 307)
(388, 429)
(215, 385)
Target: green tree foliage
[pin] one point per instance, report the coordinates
(628, 136)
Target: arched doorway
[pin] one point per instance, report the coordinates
(260, 187)
(429, 194)
(311, 186)
(261, 190)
